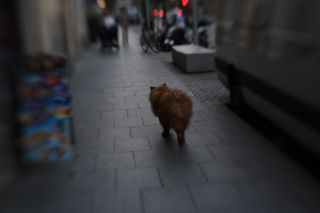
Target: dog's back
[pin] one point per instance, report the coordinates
(172, 106)
(179, 108)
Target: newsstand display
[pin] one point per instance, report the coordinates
(44, 109)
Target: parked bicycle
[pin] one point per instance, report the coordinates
(149, 39)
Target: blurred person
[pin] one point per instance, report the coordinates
(124, 22)
(108, 19)
(180, 19)
(109, 29)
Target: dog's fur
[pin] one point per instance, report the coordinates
(173, 108)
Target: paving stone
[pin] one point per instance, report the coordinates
(144, 131)
(139, 112)
(113, 89)
(215, 197)
(78, 109)
(199, 107)
(206, 87)
(123, 93)
(99, 124)
(136, 98)
(101, 146)
(168, 200)
(114, 100)
(128, 122)
(117, 202)
(204, 126)
(85, 136)
(129, 89)
(73, 201)
(87, 102)
(144, 104)
(233, 153)
(85, 164)
(118, 114)
(179, 176)
(63, 202)
(115, 161)
(125, 106)
(118, 85)
(195, 116)
(235, 134)
(87, 116)
(93, 181)
(207, 115)
(140, 84)
(37, 182)
(282, 196)
(102, 107)
(166, 154)
(226, 172)
(150, 120)
(145, 92)
(93, 149)
(132, 144)
(201, 154)
(115, 133)
(138, 178)
(80, 125)
(202, 139)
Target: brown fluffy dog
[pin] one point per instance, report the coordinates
(173, 108)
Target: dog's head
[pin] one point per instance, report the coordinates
(163, 85)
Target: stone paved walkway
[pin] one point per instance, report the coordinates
(122, 164)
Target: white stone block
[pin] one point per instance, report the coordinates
(193, 58)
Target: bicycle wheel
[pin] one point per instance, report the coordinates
(144, 43)
(154, 44)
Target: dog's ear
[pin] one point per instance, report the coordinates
(164, 85)
(151, 88)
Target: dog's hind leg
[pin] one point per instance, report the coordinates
(180, 135)
(179, 127)
(166, 127)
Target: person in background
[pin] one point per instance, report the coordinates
(124, 22)
(180, 20)
(109, 27)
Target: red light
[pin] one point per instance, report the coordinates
(179, 12)
(155, 12)
(185, 2)
(161, 13)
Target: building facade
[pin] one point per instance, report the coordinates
(53, 26)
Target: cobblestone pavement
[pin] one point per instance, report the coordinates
(205, 86)
(122, 164)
